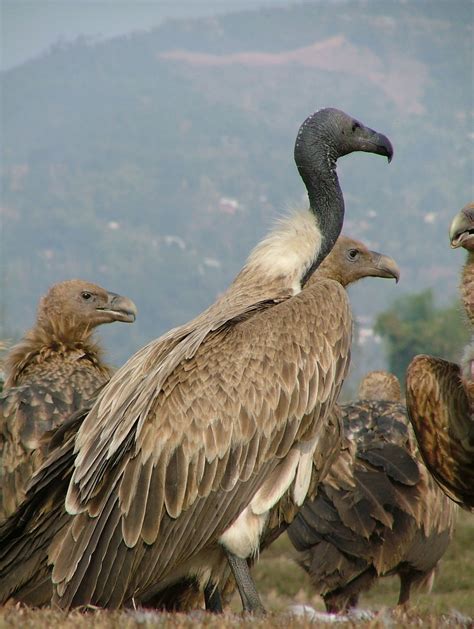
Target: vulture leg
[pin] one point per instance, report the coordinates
(405, 588)
(347, 597)
(414, 579)
(353, 601)
(248, 592)
(212, 598)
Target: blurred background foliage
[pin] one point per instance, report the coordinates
(415, 325)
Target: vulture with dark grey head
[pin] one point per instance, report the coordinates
(50, 373)
(440, 394)
(389, 518)
(206, 428)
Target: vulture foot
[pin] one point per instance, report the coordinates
(347, 597)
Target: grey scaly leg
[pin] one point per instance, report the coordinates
(248, 592)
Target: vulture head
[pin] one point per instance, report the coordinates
(83, 305)
(461, 231)
(323, 137)
(380, 386)
(350, 260)
(340, 134)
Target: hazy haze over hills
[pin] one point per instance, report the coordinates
(153, 162)
(30, 27)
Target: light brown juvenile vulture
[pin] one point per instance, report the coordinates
(200, 433)
(390, 518)
(440, 394)
(348, 262)
(50, 373)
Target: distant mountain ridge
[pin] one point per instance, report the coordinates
(335, 54)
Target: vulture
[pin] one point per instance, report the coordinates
(349, 261)
(174, 470)
(440, 394)
(50, 373)
(388, 517)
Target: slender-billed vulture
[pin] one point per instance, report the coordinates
(389, 518)
(201, 432)
(50, 373)
(440, 394)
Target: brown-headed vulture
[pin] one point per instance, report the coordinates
(50, 373)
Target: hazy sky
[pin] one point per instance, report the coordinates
(28, 27)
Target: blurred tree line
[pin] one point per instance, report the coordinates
(415, 325)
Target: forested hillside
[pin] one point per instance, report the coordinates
(152, 163)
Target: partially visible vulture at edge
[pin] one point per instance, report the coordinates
(440, 394)
(389, 518)
(348, 262)
(206, 428)
(3, 348)
(51, 372)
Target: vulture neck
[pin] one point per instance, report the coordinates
(326, 202)
(467, 286)
(43, 342)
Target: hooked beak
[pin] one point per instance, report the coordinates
(373, 142)
(120, 308)
(385, 266)
(461, 230)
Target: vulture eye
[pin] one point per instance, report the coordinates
(353, 254)
(85, 295)
(355, 125)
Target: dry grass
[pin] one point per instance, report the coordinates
(100, 619)
(281, 584)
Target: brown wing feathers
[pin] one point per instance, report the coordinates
(390, 519)
(440, 410)
(221, 463)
